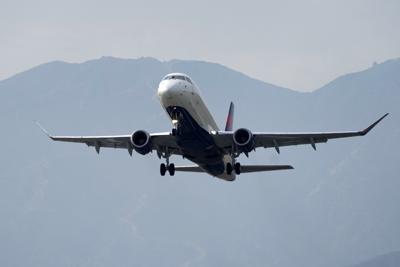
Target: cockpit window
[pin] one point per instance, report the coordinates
(177, 77)
(187, 79)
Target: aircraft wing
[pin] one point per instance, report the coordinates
(159, 141)
(276, 140)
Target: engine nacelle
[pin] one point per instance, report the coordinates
(244, 140)
(141, 142)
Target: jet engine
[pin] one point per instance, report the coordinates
(141, 142)
(243, 140)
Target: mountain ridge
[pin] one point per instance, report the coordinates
(139, 60)
(390, 259)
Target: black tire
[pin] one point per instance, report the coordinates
(174, 132)
(171, 169)
(237, 168)
(163, 169)
(229, 168)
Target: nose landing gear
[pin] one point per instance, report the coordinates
(176, 117)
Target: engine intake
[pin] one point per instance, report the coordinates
(244, 140)
(141, 142)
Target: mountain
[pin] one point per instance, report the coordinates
(62, 204)
(391, 259)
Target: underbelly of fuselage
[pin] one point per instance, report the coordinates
(193, 123)
(196, 144)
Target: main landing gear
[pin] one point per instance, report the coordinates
(170, 168)
(166, 167)
(236, 167)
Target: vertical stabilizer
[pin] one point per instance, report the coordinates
(229, 119)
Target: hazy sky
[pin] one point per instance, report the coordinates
(297, 44)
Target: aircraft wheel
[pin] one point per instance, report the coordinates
(229, 168)
(163, 169)
(174, 131)
(237, 168)
(171, 169)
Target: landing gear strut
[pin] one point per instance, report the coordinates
(167, 167)
(176, 130)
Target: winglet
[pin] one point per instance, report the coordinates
(44, 130)
(369, 128)
(229, 119)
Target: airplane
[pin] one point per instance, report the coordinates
(195, 135)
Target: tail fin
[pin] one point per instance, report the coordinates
(229, 119)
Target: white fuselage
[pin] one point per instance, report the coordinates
(176, 92)
(177, 89)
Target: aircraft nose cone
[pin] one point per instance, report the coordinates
(168, 89)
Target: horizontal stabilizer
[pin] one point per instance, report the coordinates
(188, 169)
(264, 168)
(243, 168)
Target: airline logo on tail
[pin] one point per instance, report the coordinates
(229, 119)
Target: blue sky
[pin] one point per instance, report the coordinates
(297, 44)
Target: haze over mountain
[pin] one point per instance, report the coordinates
(391, 259)
(64, 205)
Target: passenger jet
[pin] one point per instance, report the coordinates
(196, 137)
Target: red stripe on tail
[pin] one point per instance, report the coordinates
(229, 119)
